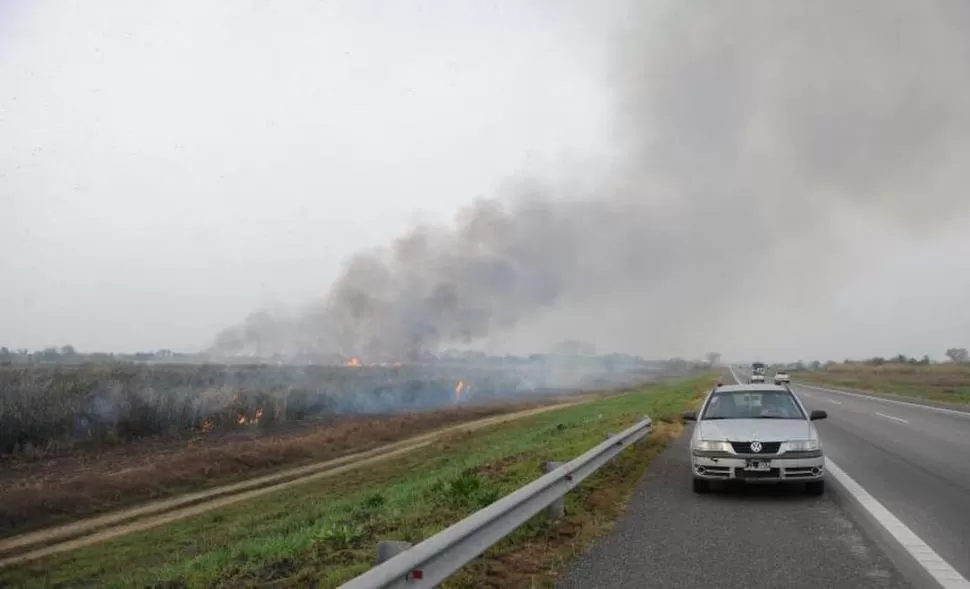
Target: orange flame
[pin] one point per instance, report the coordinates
(257, 415)
(458, 389)
(355, 361)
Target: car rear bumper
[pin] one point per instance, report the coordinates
(780, 469)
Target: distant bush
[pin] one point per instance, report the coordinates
(53, 407)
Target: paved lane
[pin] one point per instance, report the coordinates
(913, 459)
(759, 537)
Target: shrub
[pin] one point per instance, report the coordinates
(52, 407)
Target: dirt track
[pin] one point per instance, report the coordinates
(91, 531)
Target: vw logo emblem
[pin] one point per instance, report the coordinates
(756, 447)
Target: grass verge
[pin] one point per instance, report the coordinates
(322, 534)
(39, 494)
(941, 383)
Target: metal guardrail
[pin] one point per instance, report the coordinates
(435, 559)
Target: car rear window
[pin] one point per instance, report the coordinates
(752, 405)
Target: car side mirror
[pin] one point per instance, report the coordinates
(818, 414)
(690, 416)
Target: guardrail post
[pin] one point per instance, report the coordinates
(388, 549)
(556, 509)
(643, 441)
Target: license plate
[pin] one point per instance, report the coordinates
(757, 465)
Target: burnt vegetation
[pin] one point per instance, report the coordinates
(50, 408)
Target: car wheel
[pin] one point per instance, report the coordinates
(701, 486)
(815, 487)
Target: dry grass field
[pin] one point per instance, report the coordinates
(943, 383)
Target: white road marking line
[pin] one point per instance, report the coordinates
(885, 400)
(933, 563)
(945, 575)
(833, 401)
(899, 419)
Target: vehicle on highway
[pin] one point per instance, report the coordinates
(782, 377)
(758, 433)
(757, 372)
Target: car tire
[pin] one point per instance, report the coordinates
(815, 487)
(701, 485)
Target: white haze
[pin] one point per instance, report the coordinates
(775, 179)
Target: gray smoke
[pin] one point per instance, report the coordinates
(732, 117)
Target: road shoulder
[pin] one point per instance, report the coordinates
(744, 539)
(891, 398)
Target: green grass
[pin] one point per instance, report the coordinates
(943, 383)
(324, 533)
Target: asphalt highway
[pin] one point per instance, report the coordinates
(913, 459)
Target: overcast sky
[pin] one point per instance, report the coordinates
(167, 168)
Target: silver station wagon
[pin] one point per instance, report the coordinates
(756, 433)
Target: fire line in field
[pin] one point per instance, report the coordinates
(243, 420)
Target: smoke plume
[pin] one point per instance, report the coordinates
(755, 134)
